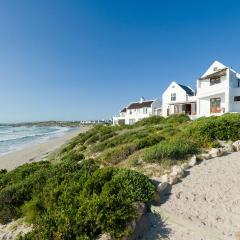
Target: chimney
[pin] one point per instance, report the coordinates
(142, 99)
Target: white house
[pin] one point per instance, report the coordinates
(178, 99)
(218, 91)
(136, 111)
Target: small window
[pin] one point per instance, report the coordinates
(238, 83)
(214, 81)
(215, 69)
(145, 110)
(237, 99)
(173, 97)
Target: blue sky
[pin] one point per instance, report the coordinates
(71, 60)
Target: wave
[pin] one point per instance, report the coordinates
(28, 135)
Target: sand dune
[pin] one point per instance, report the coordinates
(204, 206)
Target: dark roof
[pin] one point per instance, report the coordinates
(124, 110)
(220, 73)
(188, 90)
(137, 105)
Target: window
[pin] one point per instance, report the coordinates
(238, 84)
(215, 105)
(131, 121)
(173, 97)
(237, 99)
(215, 69)
(145, 110)
(214, 81)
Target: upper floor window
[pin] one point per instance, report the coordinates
(237, 99)
(215, 69)
(173, 96)
(238, 84)
(214, 81)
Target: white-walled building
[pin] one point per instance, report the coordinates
(178, 99)
(218, 91)
(137, 111)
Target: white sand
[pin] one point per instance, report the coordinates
(36, 152)
(204, 206)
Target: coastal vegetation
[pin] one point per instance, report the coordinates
(90, 186)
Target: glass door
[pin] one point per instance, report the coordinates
(215, 105)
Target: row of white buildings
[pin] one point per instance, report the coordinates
(217, 92)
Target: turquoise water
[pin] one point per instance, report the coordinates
(15, 138)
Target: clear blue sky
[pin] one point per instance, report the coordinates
(70, 60)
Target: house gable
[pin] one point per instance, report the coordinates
(214, 67)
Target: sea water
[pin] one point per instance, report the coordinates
(16, 138)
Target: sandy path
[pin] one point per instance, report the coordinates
(36, 152)
(204, 206)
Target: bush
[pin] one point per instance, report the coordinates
(177, 118)
(207, 130)
(174, 150)
(84, 207)
(150, 121)
(118, 154)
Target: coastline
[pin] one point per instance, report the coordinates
(37, 151)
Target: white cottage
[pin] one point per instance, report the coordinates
(137, 111)
(179, 99)
(218, 91)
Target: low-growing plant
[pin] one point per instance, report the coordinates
(173, 150)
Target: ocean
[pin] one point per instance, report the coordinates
(16, 138)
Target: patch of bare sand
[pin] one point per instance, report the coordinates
(204, 206)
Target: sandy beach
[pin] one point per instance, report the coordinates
(204, 206)
(36, 152)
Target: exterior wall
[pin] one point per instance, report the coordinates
(205, 91)
(234, 106)
(203, 105)
(181, 96)
(134, 115)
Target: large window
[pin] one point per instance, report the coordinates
(214, 81)
(237, 99)
(215, 105)
(173, 97)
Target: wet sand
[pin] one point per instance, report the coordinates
(36, 152)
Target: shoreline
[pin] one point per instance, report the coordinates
(37, 151)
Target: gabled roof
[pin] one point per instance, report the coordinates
(219, 73)
(143, 104)
(124, 110)
(188, 90)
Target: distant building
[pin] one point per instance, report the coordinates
(137, 111)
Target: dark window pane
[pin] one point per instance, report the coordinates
(236, 98)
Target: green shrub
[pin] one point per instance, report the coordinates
(175, 149)
(118, 154)
(150, 121)
(83, 207)
(177, 118)
(207, 130)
